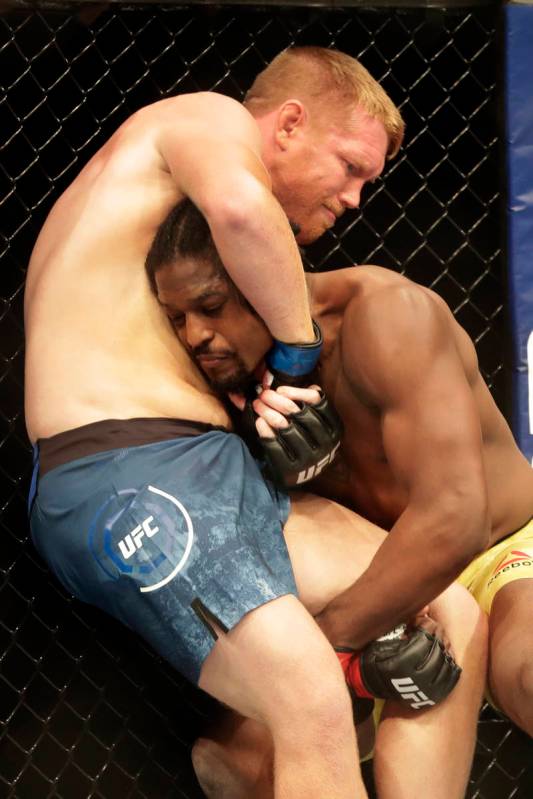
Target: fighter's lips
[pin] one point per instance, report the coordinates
(330, 215)
(212, 358)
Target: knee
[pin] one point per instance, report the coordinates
(525, 690)
(205, 763)
(525, 682)
(330, 706)
(314, 695)
(475, 629)
(511, 684)
(458, 607)
(199, 752)
(464, 622)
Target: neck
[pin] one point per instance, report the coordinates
(266, 127)
(327, 307)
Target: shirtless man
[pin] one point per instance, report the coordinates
(418, 419)
(142, 502)
(417, 414)
(228, 341)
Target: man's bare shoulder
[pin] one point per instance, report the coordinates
(383, 321)
(198, 103)
(137, 175)
(357, 286)
(186, 115)
(199, 113)
(183, 118)
(386, 309)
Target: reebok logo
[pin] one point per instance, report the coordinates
(133, 541)
(411, 692)
(522, 559)
(503, 563)
(315, 470)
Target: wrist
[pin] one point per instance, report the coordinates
(295, 359)
(339, 629)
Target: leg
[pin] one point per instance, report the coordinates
(234, 757)
(276, 667)
(410, 748)
(511, 652)
(326, 561)
(430, 753)
(329, 548)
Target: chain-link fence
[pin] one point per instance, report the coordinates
(86, 709)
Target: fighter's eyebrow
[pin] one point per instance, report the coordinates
(367, 170)
(360, 161)
(362, 164)
(204, 295)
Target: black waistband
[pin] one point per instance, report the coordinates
(113, 434)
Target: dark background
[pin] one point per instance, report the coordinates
(85, 709)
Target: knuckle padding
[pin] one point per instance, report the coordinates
(320, 416)
(312, 434)
(288, 443)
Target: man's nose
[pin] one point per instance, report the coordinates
(350, 197)
(196, 331)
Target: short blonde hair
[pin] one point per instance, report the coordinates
(327, 79)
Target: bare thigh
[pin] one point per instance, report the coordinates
(275, 652)
(510, 621)
(511, 642)
(329, 546)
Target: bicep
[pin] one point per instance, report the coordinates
(431, 432)
(214, 152)
(406, 359)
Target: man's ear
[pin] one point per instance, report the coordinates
(291, 121)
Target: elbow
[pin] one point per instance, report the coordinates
(477, 526)
(465, 534)
(474, 540)
(239, 210)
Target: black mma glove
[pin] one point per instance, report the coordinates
(409, 665)
(302, 450)
(299, 452)
(292, 364)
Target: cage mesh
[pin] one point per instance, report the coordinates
(86, 710)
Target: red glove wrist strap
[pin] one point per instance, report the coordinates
(351, 666)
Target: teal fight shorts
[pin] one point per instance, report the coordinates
(167, 525)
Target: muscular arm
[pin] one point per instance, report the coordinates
(214, 157)
(399, 351)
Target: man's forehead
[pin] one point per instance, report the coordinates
(357, 116)
(193, 280)
(366, 139)
(359, 122)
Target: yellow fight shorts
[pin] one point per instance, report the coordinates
(509, 560)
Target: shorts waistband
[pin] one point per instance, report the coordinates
(107, 434)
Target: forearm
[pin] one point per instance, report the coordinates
(377, 602)
(408, 571)
(260, 253)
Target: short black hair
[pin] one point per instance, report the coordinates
(183, 233)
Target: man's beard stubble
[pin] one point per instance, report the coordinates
(239, 381)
